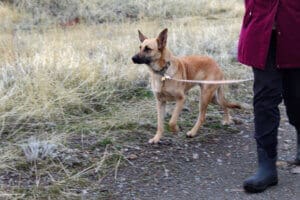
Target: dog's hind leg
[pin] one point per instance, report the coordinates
(225, 105)
(207, 93)
(161, 107)
(178, 107)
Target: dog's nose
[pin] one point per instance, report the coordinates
(134, 58)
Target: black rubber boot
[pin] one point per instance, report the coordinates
(265, 176)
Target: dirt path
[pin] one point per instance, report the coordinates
(181, 168)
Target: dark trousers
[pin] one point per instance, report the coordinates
(271, 85)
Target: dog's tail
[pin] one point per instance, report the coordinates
(221, 100)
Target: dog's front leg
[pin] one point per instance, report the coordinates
(178, 107)
(161, 107)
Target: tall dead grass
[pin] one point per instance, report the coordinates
(54, 73)
(99, 11)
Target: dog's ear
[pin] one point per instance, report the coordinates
(162, 39)
(142, 36)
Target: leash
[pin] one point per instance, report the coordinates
(166, 77)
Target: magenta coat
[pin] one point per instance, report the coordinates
(260, 17)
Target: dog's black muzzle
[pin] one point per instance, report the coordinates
(137, 59)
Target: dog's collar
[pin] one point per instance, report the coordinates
(163, 70)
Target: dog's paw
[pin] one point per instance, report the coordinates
(190, 134)
(174, 128)
(154, 140)
(227, 122)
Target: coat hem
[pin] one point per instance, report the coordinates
(250, 64)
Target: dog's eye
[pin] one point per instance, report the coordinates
(147, 49)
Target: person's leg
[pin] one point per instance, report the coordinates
(291, 95)
(267, 96)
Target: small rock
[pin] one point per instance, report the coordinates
(166, 172)
(236, 190)
(287, 141)
(137, 148)
(155, 158)
(123, 179)
(295, 170)
(197, 179)
(187, 159)
(85, 155)
(132, 157)
(219, 161)
(246, 148)
(207, 155)
(246, 106)
(282, 164)
(185, 191)
(84, 192)
(286, 147)
(195, 156)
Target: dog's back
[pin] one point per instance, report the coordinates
(201, 68)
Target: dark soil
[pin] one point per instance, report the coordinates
(210, 166)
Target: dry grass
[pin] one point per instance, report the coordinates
(96, 11)
(59, 82)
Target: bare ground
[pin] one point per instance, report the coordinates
(211, 166)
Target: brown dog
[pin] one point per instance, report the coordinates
(161, 61)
